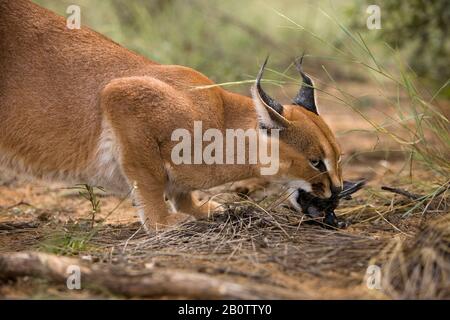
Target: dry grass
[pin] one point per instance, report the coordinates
(255, 242)
(419, 268)
(247, 238)
(254, 235)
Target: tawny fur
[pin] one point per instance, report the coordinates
(79, 108)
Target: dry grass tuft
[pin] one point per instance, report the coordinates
(419, 268)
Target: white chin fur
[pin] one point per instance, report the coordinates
(293, 194)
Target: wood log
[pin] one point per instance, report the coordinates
(151, 283)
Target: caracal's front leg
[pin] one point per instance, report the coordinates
(133, 110)
(152, 207)
(147, 175)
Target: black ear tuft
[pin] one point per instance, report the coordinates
(269, 101)
(269, 111)
(306, 96)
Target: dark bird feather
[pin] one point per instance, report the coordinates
(317, 207)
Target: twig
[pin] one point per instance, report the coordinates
(20, 203)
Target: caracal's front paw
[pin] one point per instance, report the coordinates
(248, 186)
(207, 208)
(170, 220)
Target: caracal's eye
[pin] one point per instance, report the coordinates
(315, 163)
(318, 165)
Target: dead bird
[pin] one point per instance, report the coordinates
(316, 207)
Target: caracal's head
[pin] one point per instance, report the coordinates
(309, 156)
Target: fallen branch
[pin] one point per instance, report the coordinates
(152, 283)
(412, 196)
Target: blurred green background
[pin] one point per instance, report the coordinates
(227, 40)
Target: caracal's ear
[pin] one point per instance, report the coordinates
(268, 110)
(306, 96)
